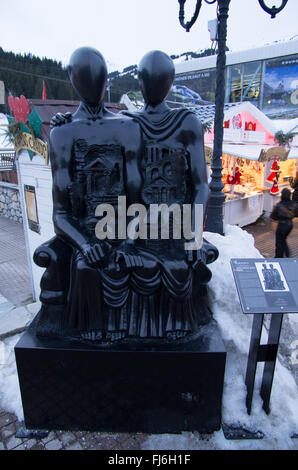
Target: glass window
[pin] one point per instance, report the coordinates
(194, 88)
(280, 87)
(234, 83)
(243, 82)
(251, 82)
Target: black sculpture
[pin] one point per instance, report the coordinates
(272, 279)
(124, 340)
(114, 289)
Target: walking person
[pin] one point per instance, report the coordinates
(294, 185)
(283, 212)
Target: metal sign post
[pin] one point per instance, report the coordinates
(265, 286)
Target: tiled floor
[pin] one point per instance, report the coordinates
(264, 234)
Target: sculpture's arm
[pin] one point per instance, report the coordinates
(133, 149)
(66, 225)
(193, 133)
(192, 136)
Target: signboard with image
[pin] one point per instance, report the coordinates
(31, 208)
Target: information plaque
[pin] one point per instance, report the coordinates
(267, 285)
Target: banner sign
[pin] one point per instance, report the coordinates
(27, 141)
(274, 153)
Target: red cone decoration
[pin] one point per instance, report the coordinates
(274, 172)
(237, 176)
(274, 189)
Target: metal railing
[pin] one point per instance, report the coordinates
(7, 160)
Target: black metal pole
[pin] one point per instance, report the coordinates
(214, 221)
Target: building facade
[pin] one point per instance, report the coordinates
(265, 76)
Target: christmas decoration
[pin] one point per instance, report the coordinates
(234, 179)
(274, 172)
(237, 175)
(274, 189)
(19, 107)
(250, 126)
(237, 122)
(22, 124)
(35, 122)
(230, 179)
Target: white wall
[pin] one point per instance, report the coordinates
(36, 173)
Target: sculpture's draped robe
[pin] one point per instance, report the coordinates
(164, 296)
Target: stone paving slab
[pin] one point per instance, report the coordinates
(264, 235)
(65, 440)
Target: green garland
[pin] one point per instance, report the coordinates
(16, 129)
(284, 139)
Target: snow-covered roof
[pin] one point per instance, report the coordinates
(207, 112)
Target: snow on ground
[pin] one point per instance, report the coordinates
(235, 328)
(10, 397)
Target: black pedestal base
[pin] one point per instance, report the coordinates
(131, 387)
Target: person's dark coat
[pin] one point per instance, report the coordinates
(283, 212)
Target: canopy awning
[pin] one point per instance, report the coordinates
(257, 152)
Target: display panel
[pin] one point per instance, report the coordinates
(266, 285)
(31, 208)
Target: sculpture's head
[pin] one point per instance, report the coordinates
(88, 74)
(156, 75)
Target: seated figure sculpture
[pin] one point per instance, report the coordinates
(155, 157)
(174, 172)
(94, 159)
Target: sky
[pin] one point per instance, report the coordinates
(124, 30)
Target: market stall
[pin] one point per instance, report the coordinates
(255, 166)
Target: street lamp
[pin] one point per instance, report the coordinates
(214, 221)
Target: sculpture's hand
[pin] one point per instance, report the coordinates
(196, 257)
(59, 119)
(96, 255)
(127, 260)
(207, 254)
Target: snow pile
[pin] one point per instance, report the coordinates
(10, 397)
(235, 327)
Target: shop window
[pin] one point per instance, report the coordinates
(251, 82)
(243, 82)
(234, 83)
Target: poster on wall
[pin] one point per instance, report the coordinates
(31, 208)
(194, 88)
(281, 86)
